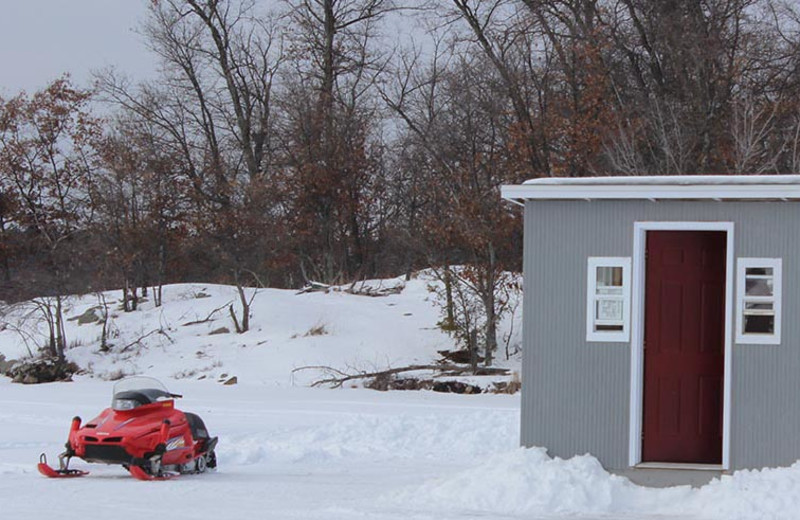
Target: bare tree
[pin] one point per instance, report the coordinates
(212, 110)
(142, 202)
(751, 130)
(47, 155)
(332, 132)
(8, 214)
(464, 130)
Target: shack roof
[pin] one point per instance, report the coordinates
(680, 187)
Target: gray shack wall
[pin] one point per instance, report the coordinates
(576, 393)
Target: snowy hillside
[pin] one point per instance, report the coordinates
(189, 336)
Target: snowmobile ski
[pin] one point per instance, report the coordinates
(50, 472)
(140, 474)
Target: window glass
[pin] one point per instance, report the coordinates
(609, 280)
(758, 319)
(758, 286)
(759, 324)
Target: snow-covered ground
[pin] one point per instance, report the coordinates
(283, 453)
(287, 451)
(300, 453)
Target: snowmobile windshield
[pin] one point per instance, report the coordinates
(133, 392)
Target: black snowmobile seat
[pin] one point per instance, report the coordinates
(197, 426)
(200, 434)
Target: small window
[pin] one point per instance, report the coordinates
(608, 299)
(759, 301)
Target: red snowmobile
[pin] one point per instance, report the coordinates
(142, 431)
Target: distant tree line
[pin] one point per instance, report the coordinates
(306, 143)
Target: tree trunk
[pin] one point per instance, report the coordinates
(488, 303)
(61, 337)
(51, 339)
(245, 308)
(104, 333)
(473, 350)
(236, 326)
(242, 325)
(162, 269)
(5, 263)
(448, 291)
(491, 333)
(125, 302)
(157, 295)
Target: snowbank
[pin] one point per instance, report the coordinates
(529, 482)
(767, 493)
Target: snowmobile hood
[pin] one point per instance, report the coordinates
(138, 421)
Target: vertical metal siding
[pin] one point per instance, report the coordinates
(576, 393)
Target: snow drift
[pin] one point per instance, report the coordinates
(526, 482)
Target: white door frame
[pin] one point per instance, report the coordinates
(640, 230)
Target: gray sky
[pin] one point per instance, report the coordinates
(42, 39)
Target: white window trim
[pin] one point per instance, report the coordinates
(777, 269)
(591, 291)
(640, 230)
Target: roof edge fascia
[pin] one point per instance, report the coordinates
(521, 192)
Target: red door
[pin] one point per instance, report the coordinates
(684, 346)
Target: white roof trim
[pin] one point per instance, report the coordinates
(689, 187)
(667, 180)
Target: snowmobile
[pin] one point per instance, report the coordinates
(142, 431)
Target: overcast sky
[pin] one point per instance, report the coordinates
(42, 39)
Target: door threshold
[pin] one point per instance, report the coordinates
(679, 465)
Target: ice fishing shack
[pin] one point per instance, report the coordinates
(661, 330)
